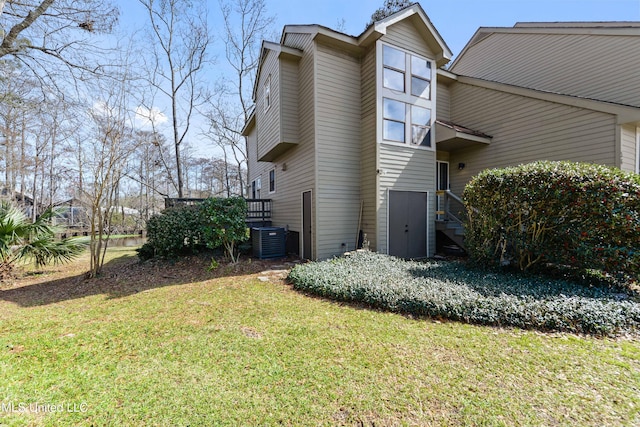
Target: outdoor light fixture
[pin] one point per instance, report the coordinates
(461, 166)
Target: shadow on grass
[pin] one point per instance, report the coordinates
(126, 276)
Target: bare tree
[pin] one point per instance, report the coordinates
(107, 150)
(246, 24)
(45, 35)
(180, 39)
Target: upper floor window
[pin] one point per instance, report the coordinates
(272, 181)
(267, 93)
(406, 97)
(404, 70)
(255, 188)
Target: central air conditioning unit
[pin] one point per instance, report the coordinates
(268, 242)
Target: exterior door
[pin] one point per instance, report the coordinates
(408, 224)
(306, 226)
(442, 182)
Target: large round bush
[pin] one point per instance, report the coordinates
(570, 214)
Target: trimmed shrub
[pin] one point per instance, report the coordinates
(223, 222)
(175, 231)
(569, 214)
(215, 223)
(451, 290)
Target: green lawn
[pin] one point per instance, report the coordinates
(172, 344)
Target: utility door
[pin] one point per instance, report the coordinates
(408, 224)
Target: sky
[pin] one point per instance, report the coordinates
(455, 20)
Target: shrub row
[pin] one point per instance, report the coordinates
(572, 214)
(215, 223)
(451, 290)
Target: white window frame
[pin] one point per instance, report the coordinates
(274, 181)
(267, 93)
(405, 97)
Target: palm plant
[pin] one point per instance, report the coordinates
(22, 239)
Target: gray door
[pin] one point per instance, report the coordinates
(408, 224)
(306, 225)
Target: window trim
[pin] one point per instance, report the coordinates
(406, 97)
(267, 93)
(272, 171)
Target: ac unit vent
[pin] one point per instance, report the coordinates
(268, 242)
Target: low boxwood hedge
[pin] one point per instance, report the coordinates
(453, 291)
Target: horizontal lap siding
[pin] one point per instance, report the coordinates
(299, 160)
(405, 169)
(268, 122)
(405, 35)
(591, 66)
(443, 102)
(629, 147)
(289, 100)
(338, 151)
(368, 149)
(525, 130)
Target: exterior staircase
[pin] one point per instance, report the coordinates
(450, 216)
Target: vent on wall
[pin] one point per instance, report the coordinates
(268, 242)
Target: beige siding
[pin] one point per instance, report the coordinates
(338, 151)
(295, 171)
(289, 100)
(405, 169)
(299, 175)
(268, 122)
(525, 130)
(368, 147)
(628, 161)
(405, 35)
(592, 66)
(443, 104)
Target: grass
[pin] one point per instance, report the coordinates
(225, 348)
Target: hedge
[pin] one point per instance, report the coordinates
(571, 214)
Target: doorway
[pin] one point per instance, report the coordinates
(408, 224)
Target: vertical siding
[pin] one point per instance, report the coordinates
(592, 66)
(268, 122)
(338, 151)
(405, 169)
(368, 147)
(404, 34)
(526, 130)
(289, 100)
(628, 148)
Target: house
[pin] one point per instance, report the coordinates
(355, 135)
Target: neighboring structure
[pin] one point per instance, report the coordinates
(357, 133)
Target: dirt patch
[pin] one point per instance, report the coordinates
(128, 275)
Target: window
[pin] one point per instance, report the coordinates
(255, 188)
(393, 128)
(267, 93)
(406, 97)
(272, 181)
(420, 126)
